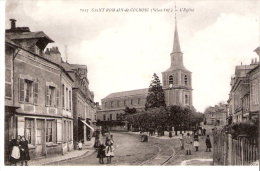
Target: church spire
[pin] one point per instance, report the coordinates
(176, 42)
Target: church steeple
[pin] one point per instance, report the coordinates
(176, 42)
(176, 55)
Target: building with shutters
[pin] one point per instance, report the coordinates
(176, 82)
(38, 93)
(244, 96)
(84, 109)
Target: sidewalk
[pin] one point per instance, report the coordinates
(197, 158)
(86, 150)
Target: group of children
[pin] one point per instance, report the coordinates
(105, 149)
(186, 143)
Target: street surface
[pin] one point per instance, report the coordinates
(130, 151)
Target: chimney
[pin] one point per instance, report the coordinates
(13, 23)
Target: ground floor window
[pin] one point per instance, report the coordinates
(39, 131)
(29, 130)
(49, 132)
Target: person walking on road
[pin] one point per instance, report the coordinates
(97, 143)
(196, 141)
(109, 151)
(188, 144)
(101, 153)
(208, 144)
(24, 151)
(182, 142)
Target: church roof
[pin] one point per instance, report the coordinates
(128, 93)
(176, 68)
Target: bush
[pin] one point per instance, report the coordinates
(249, 128)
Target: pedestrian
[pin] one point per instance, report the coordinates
(15, 152)
(208, 144)
(111, 138)
(101, 153)
(196, 142)
(24, 151)
(97, 143)
(204, 131)
(80, 145)
(109, 151)
(188, 144)
(182, 142)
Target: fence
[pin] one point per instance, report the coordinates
(228, 151)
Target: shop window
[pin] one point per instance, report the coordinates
(49, 131)
(29, 130)
(39, 131)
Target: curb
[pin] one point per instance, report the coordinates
(71, 158)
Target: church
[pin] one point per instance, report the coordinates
(176, 82)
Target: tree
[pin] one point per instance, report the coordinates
(155, 97)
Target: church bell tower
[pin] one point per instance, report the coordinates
(177, 83)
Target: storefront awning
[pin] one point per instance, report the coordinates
(88, 125)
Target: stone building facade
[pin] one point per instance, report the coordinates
(216, 115)
(243, 102)
(84, 110)
(114, 104)
(176, 82)
(39, 94)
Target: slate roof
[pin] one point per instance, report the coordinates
(10, 41)
(28, 35)
(128, 93)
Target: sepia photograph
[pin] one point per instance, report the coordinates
(130, 83)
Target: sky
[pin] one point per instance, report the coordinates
(123, 49)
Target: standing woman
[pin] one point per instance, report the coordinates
(208, 144)
(25, 157)
(109, 151)
(15, 152)
(101, 153)
(196, 141)
(188, 144)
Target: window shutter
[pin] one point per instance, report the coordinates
(47, 96)
(35, 93)
(57, 97)
(21, 90)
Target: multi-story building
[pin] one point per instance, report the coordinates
(216, 115)
(36, 84)
(114, 104)
(176, 82)
(83, 103)
(254, 82)
(243, 102)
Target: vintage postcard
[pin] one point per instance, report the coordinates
(131, 83)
